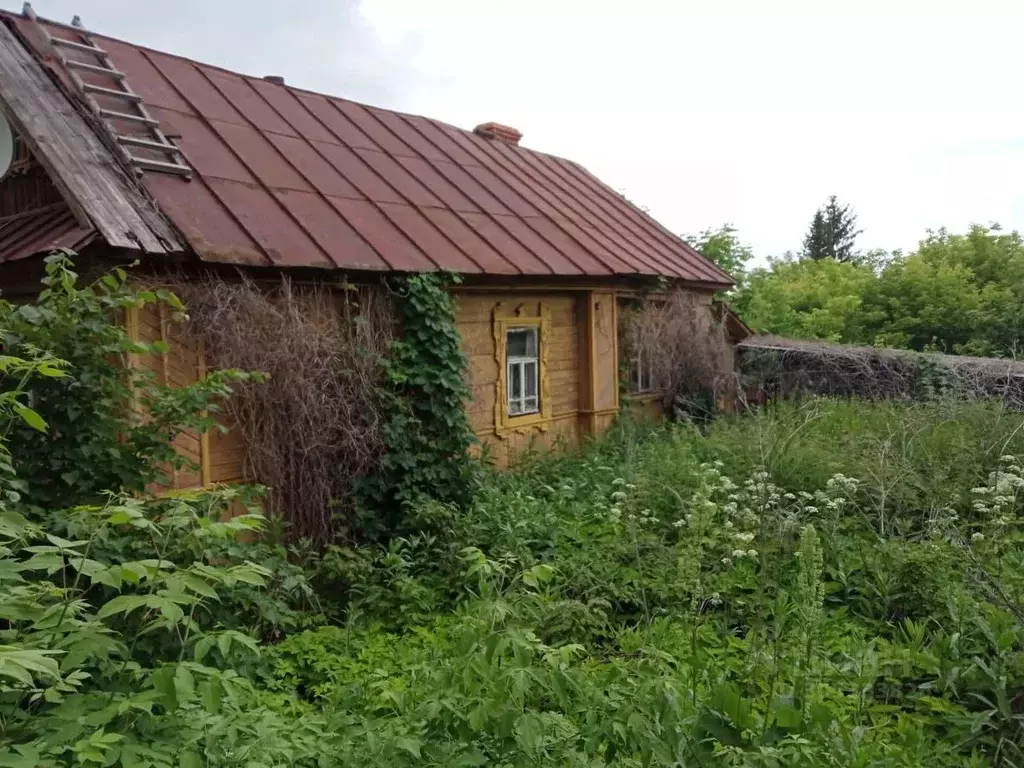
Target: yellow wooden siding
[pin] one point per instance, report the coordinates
(482, 318)
(213, 457)
(580, 371)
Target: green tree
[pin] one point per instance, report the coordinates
(724, 248)
(807, 299)
(832, 233)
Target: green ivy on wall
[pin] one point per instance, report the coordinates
(428, 434)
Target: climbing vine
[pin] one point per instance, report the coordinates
(427, 435)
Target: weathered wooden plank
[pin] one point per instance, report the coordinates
(95, 186)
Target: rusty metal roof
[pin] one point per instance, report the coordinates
(290, 178)
(40, 231)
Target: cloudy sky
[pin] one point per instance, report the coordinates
(704, 112)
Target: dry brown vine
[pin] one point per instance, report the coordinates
(685, 342)
(315, 426)
(773, 367)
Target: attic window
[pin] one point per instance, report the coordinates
(523, 371)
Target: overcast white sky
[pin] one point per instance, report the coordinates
(705, 112)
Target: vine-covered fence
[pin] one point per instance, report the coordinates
(776, 367)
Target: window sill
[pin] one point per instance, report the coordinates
(533, 419)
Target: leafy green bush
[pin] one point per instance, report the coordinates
(93, 445)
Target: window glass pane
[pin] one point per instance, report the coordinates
(531, 342)
(515, 380)
(515, 406)
(530, 379)
(530, 404)
(518, 342)
(522, 342)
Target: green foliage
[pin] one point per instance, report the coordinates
(122, 625)
(428, 435)
(637, 605)
(829, 584)
(832, 233)
(723, 246)
(809, 299)
(956, 293)
(92, 445)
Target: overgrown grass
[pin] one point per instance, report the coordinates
(822, 584)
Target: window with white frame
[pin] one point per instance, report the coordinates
(523, 375)
(641, 373)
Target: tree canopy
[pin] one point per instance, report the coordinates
(832, 233)
(957, 293)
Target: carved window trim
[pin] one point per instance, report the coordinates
(507, 316)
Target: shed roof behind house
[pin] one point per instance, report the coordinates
(290, 178)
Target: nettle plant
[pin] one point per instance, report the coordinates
(74, 685)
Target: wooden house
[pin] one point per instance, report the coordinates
(126, 153)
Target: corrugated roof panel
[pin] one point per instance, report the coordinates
(399, 125)
(513, 251)
(292, 110)
(555, 209)
(375, 228)
(604, 224)
(503, 191)
(368, 124)
(359, 174)
(194, 88)
(407, 185)
(206, 151)
(146, 81)
(588, 264)
(691, 264)
(246, 100)
(616, 262)
(476, 192)
(341, 128)
(470, 243)
(206, 222)
(447, 192)
(260, 155)
(434, 132)
(40, 232)
(609, 213)
(574, 208)
(281, 175)
(561, 263)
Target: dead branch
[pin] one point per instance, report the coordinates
(314, 427)
(685, 343)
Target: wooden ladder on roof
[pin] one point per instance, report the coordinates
(140, 141)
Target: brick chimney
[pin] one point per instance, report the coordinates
(498, 131)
